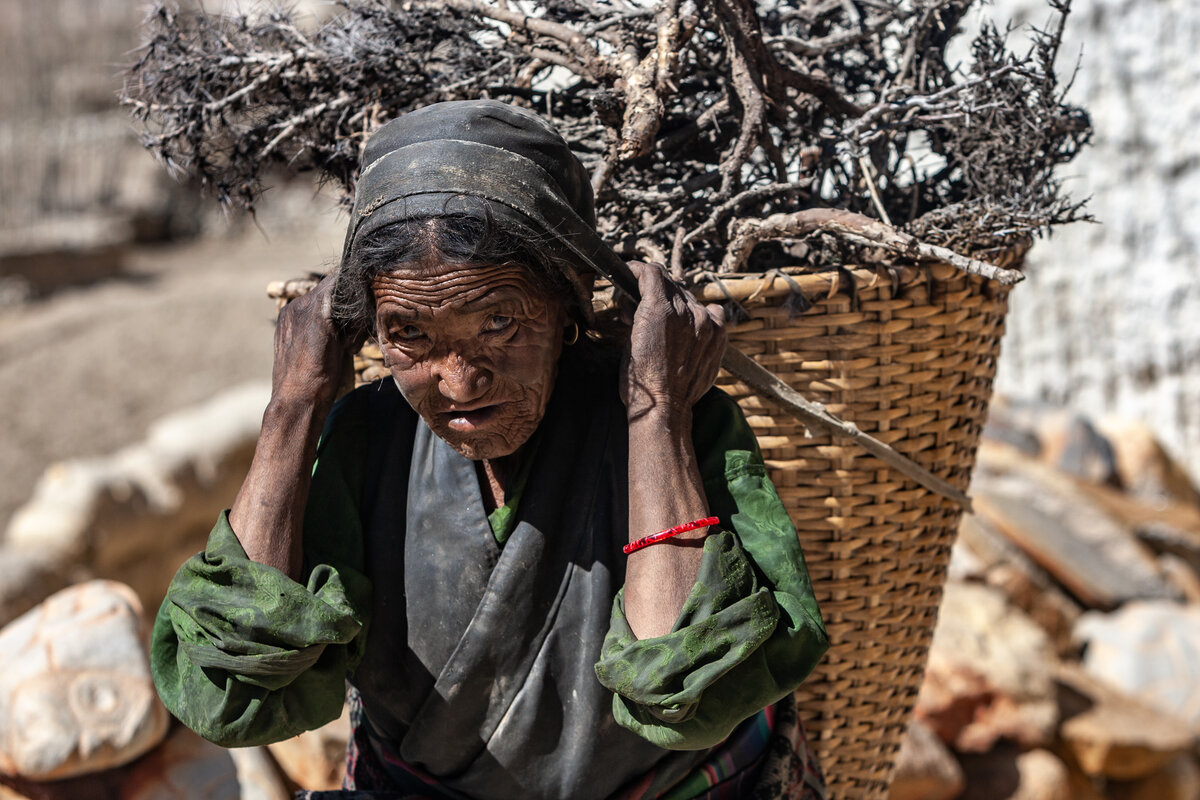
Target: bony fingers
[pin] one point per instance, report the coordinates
(626, 308)
(649, 281)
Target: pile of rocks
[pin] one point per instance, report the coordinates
(1066, 660)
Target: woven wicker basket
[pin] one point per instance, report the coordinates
(908, 354)
(909, 357)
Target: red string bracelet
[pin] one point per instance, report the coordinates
(646, 541)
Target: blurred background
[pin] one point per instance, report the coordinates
(135, 342)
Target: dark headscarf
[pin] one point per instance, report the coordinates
(483, 157)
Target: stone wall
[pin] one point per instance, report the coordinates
(1109, 320)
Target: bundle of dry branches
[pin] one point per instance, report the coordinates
(839, 120)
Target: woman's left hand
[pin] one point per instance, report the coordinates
(674, 352)
(675, 346)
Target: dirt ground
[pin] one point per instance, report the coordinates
(85, 371)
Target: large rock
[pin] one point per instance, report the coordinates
(1182, 575)
(1048, 606)
(990, 674)
(75, 689)
(1168, 539)
(1112, 735)
(184, 767)
(1150, 650)
(258, 775)
(316, 760)
(925, 768)
(187, 767)
(1071, 444)
(1165, 526)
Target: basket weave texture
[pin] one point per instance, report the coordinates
(909, 357)
(907, 354)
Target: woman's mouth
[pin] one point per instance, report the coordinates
(473, 419)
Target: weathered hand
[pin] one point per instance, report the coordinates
(675, 346)
(268, 513)
(310, 356)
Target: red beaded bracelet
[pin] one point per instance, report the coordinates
(645, 541)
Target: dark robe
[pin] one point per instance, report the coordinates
(479, 659)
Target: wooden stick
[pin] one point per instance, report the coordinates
(869, 177)
(856, 228)
(590, 59)
(816, 417)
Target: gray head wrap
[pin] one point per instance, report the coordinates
(480, 157)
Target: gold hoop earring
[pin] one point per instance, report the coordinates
(572, 337)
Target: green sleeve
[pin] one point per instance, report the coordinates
(750, 631)
(242, 654)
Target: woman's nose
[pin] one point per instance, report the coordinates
(461, 380)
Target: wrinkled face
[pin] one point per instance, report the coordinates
(473, 348)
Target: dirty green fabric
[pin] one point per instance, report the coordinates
(243, 655)
(749, 632)
(225, 616)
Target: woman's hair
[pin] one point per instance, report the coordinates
(458, 238)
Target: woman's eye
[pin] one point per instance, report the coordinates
(497, 322)
(408, 333)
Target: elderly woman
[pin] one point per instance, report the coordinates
(458, 554)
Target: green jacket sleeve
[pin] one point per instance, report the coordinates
(750, 631)
(242, 654)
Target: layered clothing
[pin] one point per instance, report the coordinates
(491, 658)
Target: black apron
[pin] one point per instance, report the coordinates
(479, 659)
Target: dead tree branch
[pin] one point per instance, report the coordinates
(692, 116)
(747, 233)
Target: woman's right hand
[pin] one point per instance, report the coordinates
(311, 358)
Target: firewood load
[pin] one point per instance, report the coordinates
(859, 202)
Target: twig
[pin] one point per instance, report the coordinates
(869, 177)
(748, 196)
(827, 44)
(746, 83)
(595, 64)
(249, 88)
(855, 228)
(677, 254)
(289, 127)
